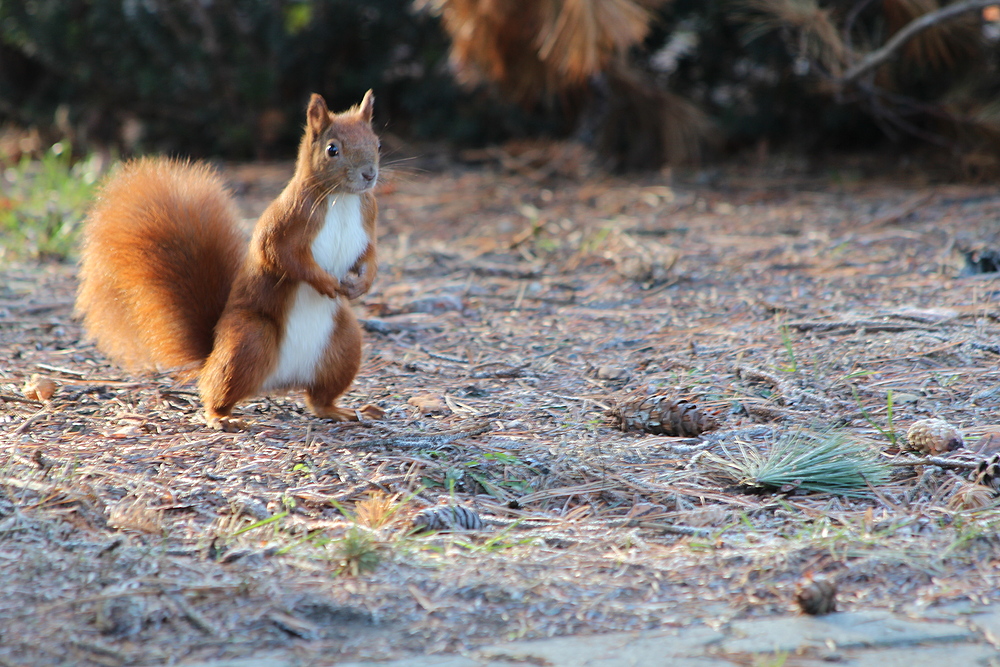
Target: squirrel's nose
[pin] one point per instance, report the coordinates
(369, 174)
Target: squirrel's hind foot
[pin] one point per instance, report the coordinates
(225, 423)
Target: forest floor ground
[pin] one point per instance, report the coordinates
(518, 300)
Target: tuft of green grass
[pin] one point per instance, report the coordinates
(498, 542)
(357, 552)
(823, 463)
(44, 202)
(776, 660)
(889, 432)
(786, 341)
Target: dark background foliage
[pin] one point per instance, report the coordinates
(231, 77)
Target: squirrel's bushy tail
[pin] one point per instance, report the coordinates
(161, 248)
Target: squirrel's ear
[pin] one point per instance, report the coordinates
(317, 115)
(366, 106)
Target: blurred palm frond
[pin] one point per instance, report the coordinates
(491, 40)
(646, 126)
(579, 39)
(819, 39)
(534, 47)
(939, 47)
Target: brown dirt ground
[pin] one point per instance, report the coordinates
(520, 298)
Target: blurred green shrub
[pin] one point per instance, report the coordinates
(43, 203)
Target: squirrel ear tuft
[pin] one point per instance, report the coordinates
(317, 115)
(366, 106)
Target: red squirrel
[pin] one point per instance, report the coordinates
(167, 280)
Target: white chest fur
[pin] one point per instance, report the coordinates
(312, 317)
(342, 240)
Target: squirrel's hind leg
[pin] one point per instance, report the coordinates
(337, 369)
(241, 360)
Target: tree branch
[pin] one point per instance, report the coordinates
(930, 19)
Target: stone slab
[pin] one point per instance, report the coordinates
(961, 655)
(988, 623)
(856, 639)
(243, 662)
(681, 648)
(938, 655)
(843, 630)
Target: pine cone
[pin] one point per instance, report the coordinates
(987, 473)
(816, 596)
(447, 518)
(662, 415)
(933, 436)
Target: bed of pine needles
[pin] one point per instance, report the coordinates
(519, 300)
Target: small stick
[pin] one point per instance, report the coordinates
(676, 529)
(506, 371)
(935, 461)
(520, 296)
(99, 649)
(19, 399)
(193, 615)
(59, 369)
(791, 394)
(443, 357)
(421, 439)
(853, 325)
(30, 420)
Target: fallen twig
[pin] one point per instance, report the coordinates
(202, 624)
(443, 357)
(26, 424)
(934, 461)
(100, 649)
(854, 325)
(499, 370)
(790, 393)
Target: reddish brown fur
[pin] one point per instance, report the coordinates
(339, 366)
(160, 250)
(248, 334)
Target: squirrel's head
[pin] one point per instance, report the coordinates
(341, 148)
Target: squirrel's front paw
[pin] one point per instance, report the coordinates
(352, 287)
(331, 288)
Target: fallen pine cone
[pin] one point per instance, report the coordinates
(933, 436)
(816, 596)
(447, 518)
(662, 415)
(987, 473)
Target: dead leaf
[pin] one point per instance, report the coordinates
(989, 443)
(39, 388)
(612, 373)
(130, 431)
(428, 403)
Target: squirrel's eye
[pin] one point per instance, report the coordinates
(380, 145)
(332, 150)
